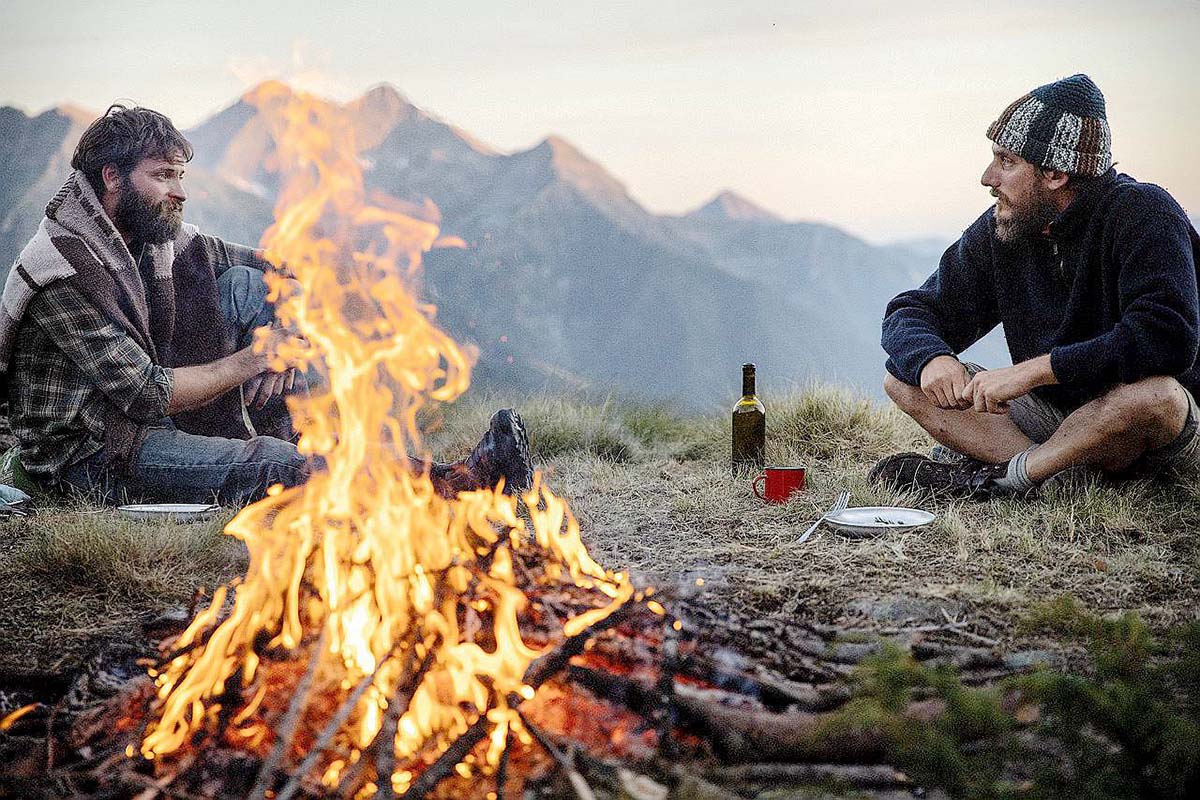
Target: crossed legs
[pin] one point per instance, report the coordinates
(1111, 432)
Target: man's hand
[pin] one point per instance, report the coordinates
(991, 391)
(199, 385)
(271, 343)
(943, 381)
(274, 343)
(261, 389)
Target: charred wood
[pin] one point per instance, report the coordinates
(749, 777)
(664, 712)
(287, 726)
(546, 666)
(384, 746)
(565, 761)
(428, 780)
(327, 733)
(540, 671)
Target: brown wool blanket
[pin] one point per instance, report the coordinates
(175, 317)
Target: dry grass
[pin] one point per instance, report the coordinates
(652, 490)
(73, 578)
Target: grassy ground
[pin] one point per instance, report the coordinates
(652, 489)
(73, 578)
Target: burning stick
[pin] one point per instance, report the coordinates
(287, 726)
(566, 762)
(440, 769)
(502, 767)
(540, 671)
(327, 733)
(664, 689)
(385, 743)
(550, 664)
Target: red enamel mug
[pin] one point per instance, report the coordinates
(779, 482)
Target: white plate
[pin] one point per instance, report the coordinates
(176, 512)
(873, 520)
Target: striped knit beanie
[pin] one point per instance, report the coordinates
(1061, 126)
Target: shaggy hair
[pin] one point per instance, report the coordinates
(124, 136)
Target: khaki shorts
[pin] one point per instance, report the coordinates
(1039, 419)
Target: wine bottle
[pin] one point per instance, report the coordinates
(749, 427)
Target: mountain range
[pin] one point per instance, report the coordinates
(566, 280)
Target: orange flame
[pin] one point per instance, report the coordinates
(367, 553)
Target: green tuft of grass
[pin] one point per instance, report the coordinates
(1131, 727)
(1127, 726)
(655, 424)
(937, 753)
(823, 422)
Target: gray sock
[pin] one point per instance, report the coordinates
(1017, 478)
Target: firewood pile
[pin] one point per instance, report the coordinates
(633, 706)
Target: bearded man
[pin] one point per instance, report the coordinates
(1093, 276)
(126, 343)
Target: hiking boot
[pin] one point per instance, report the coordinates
(503, 452)
(969, 479)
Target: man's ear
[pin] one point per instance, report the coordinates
(1054, 179)
(111, 176)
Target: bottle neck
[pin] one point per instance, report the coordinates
(747, 383)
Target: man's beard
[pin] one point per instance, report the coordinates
(145, 221)
(1025, 220)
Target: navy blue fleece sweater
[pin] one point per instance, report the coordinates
(1110, 294)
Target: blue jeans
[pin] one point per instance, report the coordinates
(173, 466)
(178, 467)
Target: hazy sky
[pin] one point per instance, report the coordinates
(869, 115)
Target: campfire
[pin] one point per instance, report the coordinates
(386, 641)
(382, 614)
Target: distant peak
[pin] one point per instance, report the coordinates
(380, 110)
(560, 146)
(384, 92)
(732, 206)
(568, 163)
(385, 99)
(566, 157)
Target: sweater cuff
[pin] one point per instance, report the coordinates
(909, 370)
(152, 401)
(1078, 364)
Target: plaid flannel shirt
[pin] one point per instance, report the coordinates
(69, 361)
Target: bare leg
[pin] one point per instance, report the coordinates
(991, 438)
(1114, 430)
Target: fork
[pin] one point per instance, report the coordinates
(843, 500)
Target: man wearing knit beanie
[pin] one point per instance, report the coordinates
(1093, 276)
